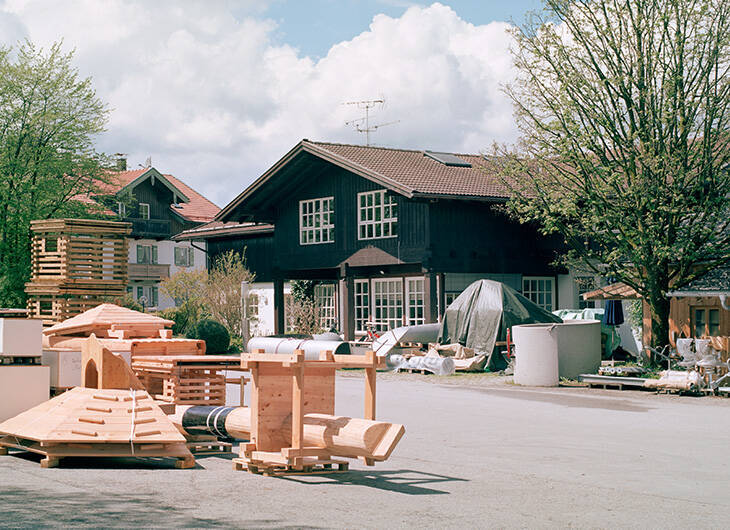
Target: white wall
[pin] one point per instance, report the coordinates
(265, 292)
(166, 256)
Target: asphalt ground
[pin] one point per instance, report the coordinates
(478, 452)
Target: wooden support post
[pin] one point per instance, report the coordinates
(370, 396)
(297, 413)
(279, 324)
(348, 305)
(430, 300)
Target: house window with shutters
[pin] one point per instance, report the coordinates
(184, 257)
(147, 254)
(317, 221)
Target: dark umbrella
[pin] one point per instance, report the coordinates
(613, 314)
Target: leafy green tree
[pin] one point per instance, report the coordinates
(49, 117)
(624, 112)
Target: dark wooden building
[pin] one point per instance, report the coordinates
(390, 235)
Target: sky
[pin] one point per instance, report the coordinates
(215, 92)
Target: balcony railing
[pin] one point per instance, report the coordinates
(151, 228)
(149, 271)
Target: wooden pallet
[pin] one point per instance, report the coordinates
(209, 447)
(309, 466)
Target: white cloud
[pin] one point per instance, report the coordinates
(203, 88)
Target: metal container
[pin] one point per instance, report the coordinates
(312, 348)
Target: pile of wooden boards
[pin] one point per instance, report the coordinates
(76, 263)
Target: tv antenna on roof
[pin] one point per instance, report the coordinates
(366, 105)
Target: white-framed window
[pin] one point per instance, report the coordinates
(388, 303)
(362, 305)
(541, 290)
(184, 257)
(324, 301)
(377, 215)
(317, 221)
(415, 288)
(449, 297)
(121, 209)
(144, 210)
(147, 254)
(585, 284)
(252, 306)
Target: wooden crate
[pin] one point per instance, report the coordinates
(186, 379)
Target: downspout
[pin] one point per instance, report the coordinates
(725, 302)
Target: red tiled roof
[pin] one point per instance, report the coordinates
(198, 209)
(422, 174)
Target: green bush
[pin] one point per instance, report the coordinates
(216, 336)
(127, 301)
(174, 314)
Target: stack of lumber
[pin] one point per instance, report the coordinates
(89, 422)
(75, 263)
(121, 330)
(186, 379)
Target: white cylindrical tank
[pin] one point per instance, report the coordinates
(536, 355)
(575, 343)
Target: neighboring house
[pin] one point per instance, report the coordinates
(390, 236)
(700, 308)
(161, 207)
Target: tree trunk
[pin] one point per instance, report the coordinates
(659, 307)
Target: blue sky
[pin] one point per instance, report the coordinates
(313, 26)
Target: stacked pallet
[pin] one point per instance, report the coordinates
(75, 263)
(186, 379)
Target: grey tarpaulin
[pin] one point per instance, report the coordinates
(481, 315)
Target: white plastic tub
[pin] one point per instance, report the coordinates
(546, 352)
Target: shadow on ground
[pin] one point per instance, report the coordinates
(22, 508)
(404, 481)
(565, 399)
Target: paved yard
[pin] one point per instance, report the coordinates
(477, 453)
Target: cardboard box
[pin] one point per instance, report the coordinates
(21, 337)
(22, 387)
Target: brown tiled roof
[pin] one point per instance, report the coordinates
(409, 172)
(197, 209)
(420, 173)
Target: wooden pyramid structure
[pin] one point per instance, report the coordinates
(88, 422)
(113, 321)
(113, 416)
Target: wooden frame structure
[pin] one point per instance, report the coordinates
(288, 387)
(75, 263)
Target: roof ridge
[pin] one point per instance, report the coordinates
(384, 148)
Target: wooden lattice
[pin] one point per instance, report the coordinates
(75, 264)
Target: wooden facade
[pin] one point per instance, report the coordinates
(75, 263)
(435, 236)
